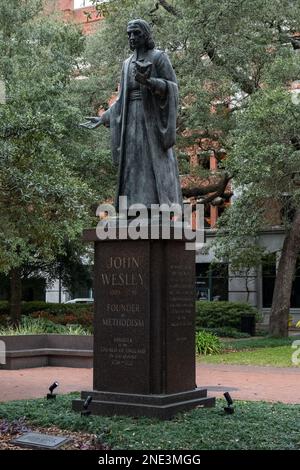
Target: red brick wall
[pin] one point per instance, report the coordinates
(66, 7)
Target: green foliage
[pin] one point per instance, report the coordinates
(51, 308)
(30, 326)
(55, 314)
(226, 332)
(45, 196)
(254, 425)
(207, 343)
(222, 314)
(81, 317)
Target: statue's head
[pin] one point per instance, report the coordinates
(139, 35)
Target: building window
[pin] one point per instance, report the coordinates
(82, 4)
(212, 281)
(268, 279)
(268, 282)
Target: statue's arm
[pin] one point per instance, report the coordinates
(92, 122)
(165, 73)
(106, 118)
(164, 68)
(157, 86)
(96, 121)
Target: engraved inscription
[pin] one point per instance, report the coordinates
(121, 360)
(181, 297)
(127, 274)
(121, 308)
(124, 262)
(123, 352)
(122, 279)
(123, 322)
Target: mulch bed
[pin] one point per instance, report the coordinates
(79, 440)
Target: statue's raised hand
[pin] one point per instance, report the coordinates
(92, 122)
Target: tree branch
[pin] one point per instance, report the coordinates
(170, 9)
(212, 190)
(247, 85)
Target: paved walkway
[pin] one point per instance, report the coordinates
(243, 382)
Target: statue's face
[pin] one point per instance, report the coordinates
(136, 37)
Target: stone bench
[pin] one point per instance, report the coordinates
(27, 351)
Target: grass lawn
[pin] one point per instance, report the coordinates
(255, 352)
(276, 357)
(254, 343)
(254, 425)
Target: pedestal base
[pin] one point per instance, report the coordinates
(153, 406)
(144, 329)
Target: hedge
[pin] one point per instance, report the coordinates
(222, 314)
(51, 308)
(81, 317)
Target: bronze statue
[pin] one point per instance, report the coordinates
(143, 123)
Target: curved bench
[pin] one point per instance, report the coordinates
(23, 352)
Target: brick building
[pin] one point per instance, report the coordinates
(81, 12)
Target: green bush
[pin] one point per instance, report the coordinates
(222, 314)
(53, 309)
(226, 332)
(35, 326)
(207, 343)
(82, 317)
(79, 315)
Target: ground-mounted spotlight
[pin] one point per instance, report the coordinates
(52, 387)
(229, 409)
(86, 404)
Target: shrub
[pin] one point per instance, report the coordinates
(222, 314)
(36, 326)
(227, 332)
(207, 343)
(82, 318)
(54, 309)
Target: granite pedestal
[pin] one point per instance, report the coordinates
(144, 333)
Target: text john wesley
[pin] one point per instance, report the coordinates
(127, 272)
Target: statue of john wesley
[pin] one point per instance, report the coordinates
(143, 123)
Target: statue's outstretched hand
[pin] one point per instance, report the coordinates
(92, 122)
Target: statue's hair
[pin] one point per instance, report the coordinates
(145, 27)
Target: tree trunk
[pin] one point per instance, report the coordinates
(284, 280)
(15, 294)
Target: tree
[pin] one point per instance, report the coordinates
(265, 162)
(72, 267)
(44, 201)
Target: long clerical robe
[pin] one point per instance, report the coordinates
(143, 132)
